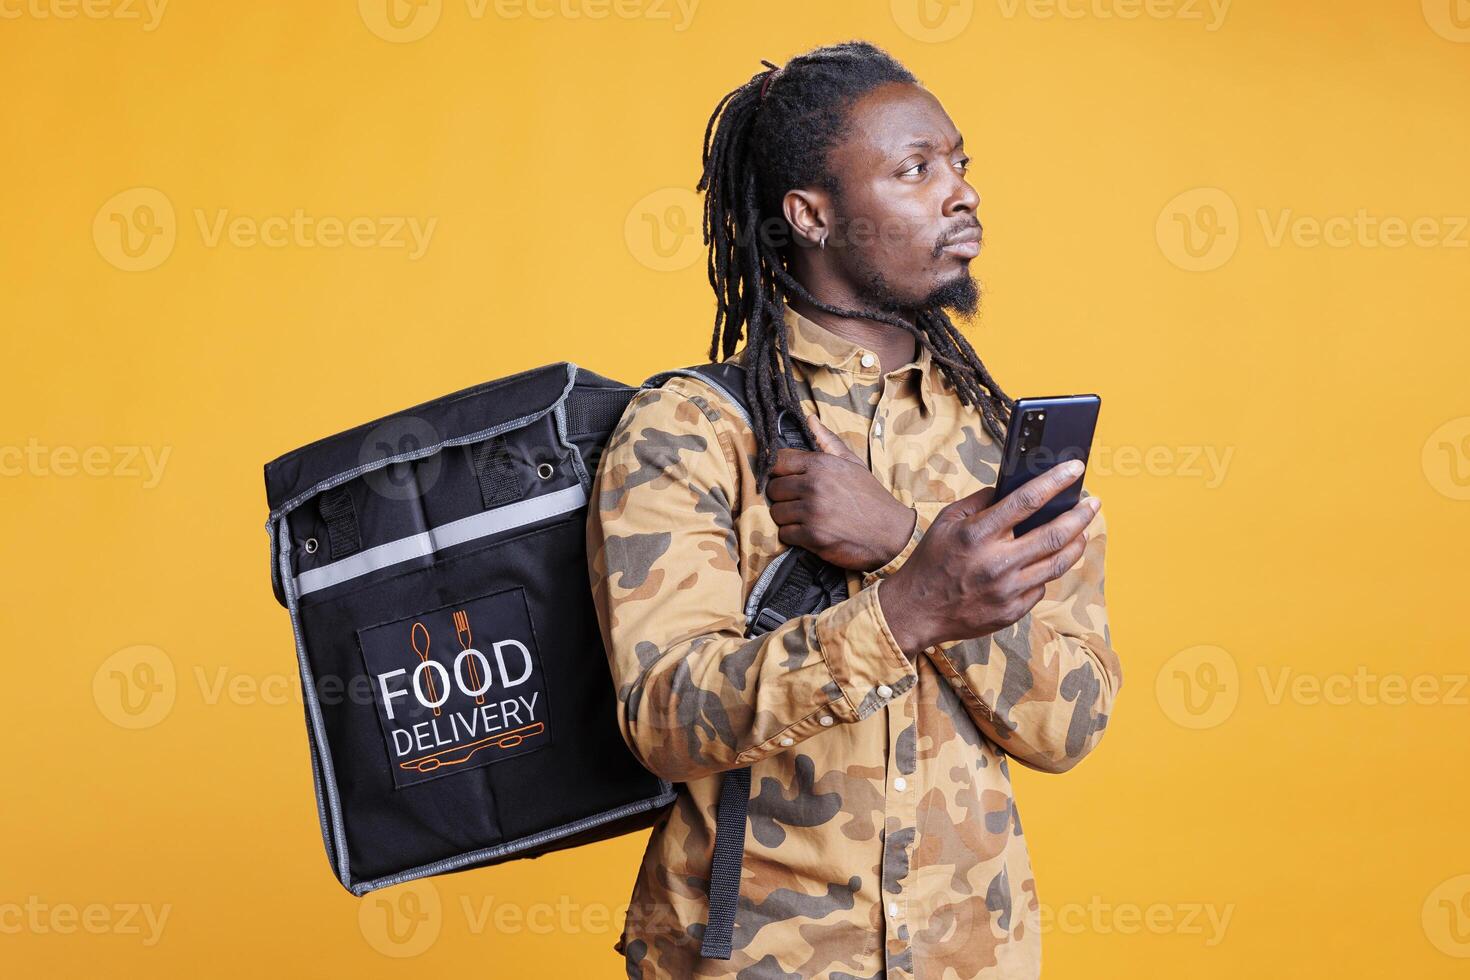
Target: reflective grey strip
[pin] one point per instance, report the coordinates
(492, 521)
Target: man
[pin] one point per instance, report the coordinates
(883, 838)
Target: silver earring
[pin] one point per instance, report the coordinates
(824, 240)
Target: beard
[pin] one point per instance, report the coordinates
(960, 294)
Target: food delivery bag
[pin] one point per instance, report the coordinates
(459, 706)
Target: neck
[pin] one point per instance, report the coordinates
(893, 345)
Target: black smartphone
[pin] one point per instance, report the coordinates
(1044, 432)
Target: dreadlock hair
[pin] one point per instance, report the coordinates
(770, 135)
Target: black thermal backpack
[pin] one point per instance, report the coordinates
(459, 706)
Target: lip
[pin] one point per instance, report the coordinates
(965, 245)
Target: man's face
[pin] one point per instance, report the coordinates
(906, 227)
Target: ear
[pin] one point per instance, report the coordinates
(830, 442)
(807, 212)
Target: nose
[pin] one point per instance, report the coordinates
(963, 199)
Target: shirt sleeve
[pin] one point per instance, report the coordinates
(1043, 688)
(695, 696)
(926, 511)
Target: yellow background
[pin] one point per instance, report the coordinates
(1329, 379)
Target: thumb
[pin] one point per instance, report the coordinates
(972, 504)
(829, 441)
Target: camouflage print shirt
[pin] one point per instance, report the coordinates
(883, 838)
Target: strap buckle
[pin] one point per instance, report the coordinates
(766, 620)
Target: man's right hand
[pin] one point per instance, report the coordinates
(970, 575)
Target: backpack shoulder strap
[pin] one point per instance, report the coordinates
(795, 583)
(728, 378)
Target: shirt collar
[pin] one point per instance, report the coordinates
(811, 343)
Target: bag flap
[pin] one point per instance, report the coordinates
(504, 403)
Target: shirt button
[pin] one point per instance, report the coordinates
(884, 691)
(788, 741)
(893, 910)
(900, 784)
(868, 360)
(825, 720)
(877, 428)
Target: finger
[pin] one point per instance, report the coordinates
(1037, 543)
(792, 486)
(788, 512)
(1031, 496)
(1030, 598)
(1053, 566)
(789, 460)
(829, 441)
(795, 536)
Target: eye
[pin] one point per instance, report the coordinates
(964, 165)
(916, 169)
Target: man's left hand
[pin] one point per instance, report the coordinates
(830, 504)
